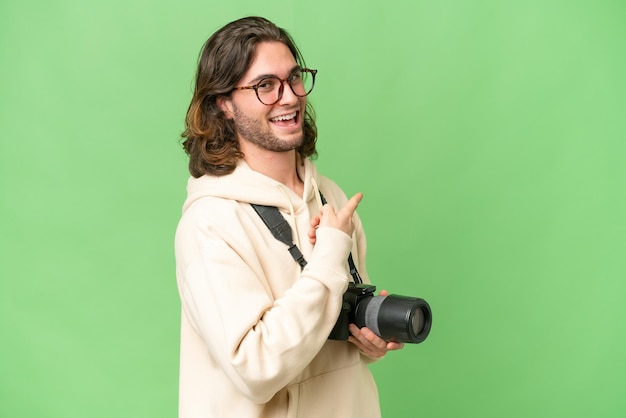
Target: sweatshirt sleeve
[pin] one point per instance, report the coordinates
(259, 342)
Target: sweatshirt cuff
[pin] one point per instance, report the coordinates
(333, 246)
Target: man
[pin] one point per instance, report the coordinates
(255, 324)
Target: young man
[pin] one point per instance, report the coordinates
(255, 324)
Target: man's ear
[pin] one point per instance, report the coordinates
(226, 106)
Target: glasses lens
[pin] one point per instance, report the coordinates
(302, 83)
(268, 90)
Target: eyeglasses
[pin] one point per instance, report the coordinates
(270, 90)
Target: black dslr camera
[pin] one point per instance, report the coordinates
(396, 318)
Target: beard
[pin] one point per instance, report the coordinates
(255, 132)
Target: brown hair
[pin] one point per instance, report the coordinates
(211, 140)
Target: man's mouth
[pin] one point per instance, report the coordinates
(289, 119)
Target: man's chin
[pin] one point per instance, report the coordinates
(288, 143)
(274, 142)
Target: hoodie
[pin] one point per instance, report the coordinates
(254, 326)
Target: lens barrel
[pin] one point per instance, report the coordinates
(395, 318)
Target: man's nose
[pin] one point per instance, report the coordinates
(288, 96)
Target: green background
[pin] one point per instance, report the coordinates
(488, 138)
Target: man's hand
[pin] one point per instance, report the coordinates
(341, 220)
(369, 343)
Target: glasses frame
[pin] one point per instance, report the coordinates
(255, 87)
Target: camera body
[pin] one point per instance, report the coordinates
(393, 317)
(351, 298)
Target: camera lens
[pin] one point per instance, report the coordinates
(417, 322)
(395, 318)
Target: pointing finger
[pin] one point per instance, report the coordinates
(352, 204)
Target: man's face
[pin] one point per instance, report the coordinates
(277, 127)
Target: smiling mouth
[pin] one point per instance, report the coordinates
(289, 119)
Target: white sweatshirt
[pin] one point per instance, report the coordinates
(254, 326)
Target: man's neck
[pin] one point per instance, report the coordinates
(280, 166)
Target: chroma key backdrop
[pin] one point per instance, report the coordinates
(488, 138)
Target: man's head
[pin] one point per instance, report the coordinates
(219, 113)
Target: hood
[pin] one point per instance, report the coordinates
(248, 186)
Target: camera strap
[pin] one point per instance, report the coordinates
(280, 229)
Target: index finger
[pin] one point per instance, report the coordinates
(352, 204)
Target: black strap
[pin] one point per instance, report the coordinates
(281, 230)
(353, 271)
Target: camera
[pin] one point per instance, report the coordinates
(396, 318)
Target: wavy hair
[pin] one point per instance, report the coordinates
(210, 138)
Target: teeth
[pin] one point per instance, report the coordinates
(284, 117)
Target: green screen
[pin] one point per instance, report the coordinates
(487, 136)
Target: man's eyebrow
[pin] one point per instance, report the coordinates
(263, 76)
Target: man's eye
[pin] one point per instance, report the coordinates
(297, 76)
(266, 85)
